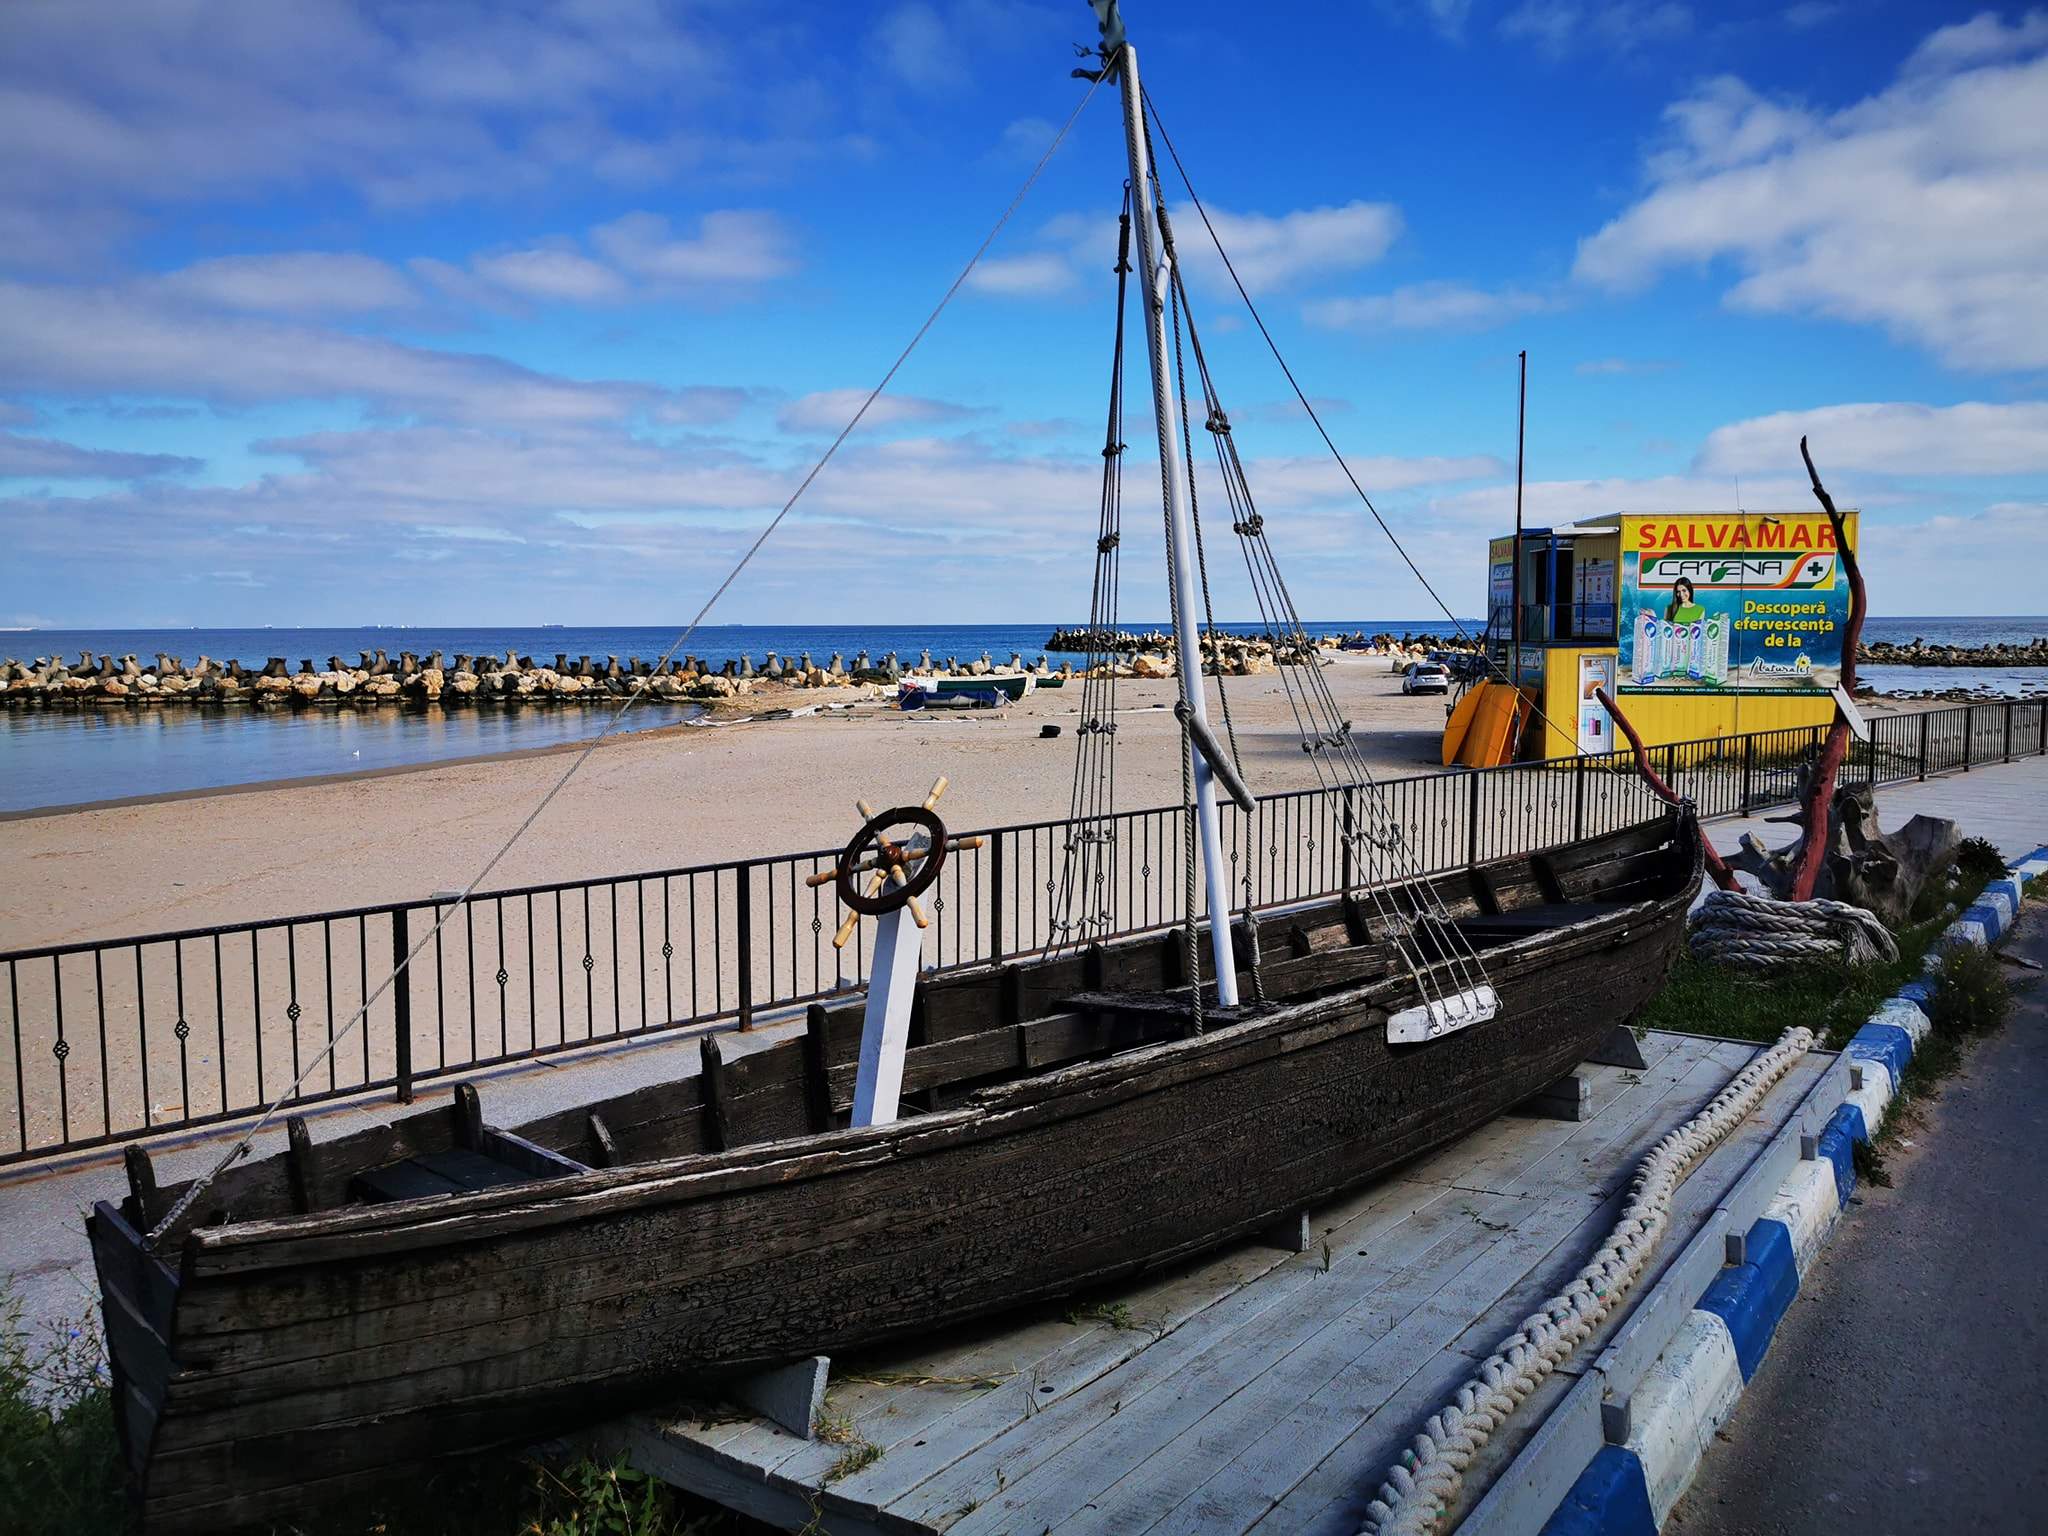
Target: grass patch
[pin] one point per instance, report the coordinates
(61, 1471)
(1833, 999)
(1972, 994)
(1114, 1314)
(862, 1454)
(60, 1461)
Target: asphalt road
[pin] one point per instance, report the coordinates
(1906, 1390)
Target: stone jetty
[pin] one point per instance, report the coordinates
(1128, 642)
(435, 681)
(1918, 653)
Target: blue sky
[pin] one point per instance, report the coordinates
(340, 313)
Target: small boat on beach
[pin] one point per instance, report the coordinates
(1013, 686)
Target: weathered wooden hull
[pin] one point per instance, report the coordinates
(294, 1360)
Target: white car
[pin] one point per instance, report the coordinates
(1425, 677)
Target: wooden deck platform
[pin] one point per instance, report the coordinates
(1260, 1389)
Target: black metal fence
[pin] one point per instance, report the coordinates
(111, 1039)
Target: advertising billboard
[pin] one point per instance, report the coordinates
(1731, 602)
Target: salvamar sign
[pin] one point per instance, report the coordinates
(1731, 602)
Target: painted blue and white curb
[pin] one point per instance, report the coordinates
(1630, 1489)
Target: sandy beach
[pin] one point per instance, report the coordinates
(649, 801)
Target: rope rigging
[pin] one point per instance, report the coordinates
(1411, 913)
(432, 933)
(1083, 910)
(1152, 107)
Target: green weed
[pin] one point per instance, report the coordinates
(60, 1460)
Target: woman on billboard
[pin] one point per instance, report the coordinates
(1684, 607)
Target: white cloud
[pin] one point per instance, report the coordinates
(139, 107)
(1273, 251)
(296, 282)
(1033, 275)
(918, 47)
(1488, 509)
(1923, 209)
(551, 276)
(90, 341)
(1448, 16)
(1269, 250)
(1596, 367)
(42, 458)
(829, 409)
(1562, 27)
(1433, 306)
(1811, 13)
(1890, 438)
(731, 247)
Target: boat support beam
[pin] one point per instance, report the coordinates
(885, 1028)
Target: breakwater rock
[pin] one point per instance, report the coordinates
(433, 681)
(1129, 642)
(1918, 653)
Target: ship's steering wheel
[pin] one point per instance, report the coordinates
(892, 860)
(905, 865)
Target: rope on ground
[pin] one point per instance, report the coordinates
(1423, 1485)
(1759, 933)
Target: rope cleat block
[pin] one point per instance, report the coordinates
(1442, 1016)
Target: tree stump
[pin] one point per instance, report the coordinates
(1862, 863)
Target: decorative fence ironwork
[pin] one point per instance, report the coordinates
(112, 1039)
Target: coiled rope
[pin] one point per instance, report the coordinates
(1423, 1485)
(1758, 933)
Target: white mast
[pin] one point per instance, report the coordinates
(1123, 58)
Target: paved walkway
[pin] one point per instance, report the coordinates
(1904, 1391)
(2006, 802)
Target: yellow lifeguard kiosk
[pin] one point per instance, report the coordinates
(1702, 625)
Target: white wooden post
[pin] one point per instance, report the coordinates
(885, 1028)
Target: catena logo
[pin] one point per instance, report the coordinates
(1800, 571)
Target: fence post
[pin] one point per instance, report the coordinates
(1472, 816)
(1748, 768)
(1923, 744)
(1346, 875)
(1579, 798)
(995, 900)
(401, 1007)
(2042, 738)
(1969, 733)
(744, 915)
(2008, 730)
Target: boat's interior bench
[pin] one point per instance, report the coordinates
(484, 1157)
(1505, 927)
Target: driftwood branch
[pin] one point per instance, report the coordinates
(1820, 786)
(1716, 866)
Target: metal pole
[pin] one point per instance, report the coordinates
(1166, 416)
(1515, 600)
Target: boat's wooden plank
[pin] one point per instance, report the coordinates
(409, 1180)
(939, 1427)
(589, 1312)
(912, 1478)
(1050, 1474)
(530, 1158)
(1332, 1497)
(1569, 1209)
(124, 1264)
(469, 1170)
(1615, 1099)
(1282, 1419)
(1371, 1416)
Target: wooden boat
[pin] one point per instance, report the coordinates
(330, 1317)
